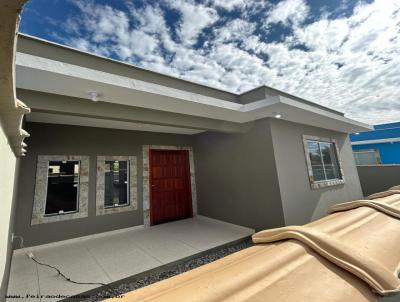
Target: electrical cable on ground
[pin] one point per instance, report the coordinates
(65, 277)
(31, 256)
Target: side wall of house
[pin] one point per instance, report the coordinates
(7, 196)
(236, 177)
(302, 204)
(50, 139)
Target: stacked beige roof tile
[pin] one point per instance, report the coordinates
(352, 255)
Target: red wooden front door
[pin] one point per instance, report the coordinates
(170, 192)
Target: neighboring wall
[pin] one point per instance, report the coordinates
(378, 178)
(236, 177)
(7, 182)
(50, 139)
(301, 204)
(389, 153)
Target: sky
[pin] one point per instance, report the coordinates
(343, 54)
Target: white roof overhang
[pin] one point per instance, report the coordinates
(50, 76)
(377, 141)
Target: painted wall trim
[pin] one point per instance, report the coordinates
(377, 141)
(146, 178)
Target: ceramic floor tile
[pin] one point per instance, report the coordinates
(64, 257)
(126, 263)
(55, 288)
(166, 249)
(109, 247)
(203, 233)
(25, 291)
(74, 261)
(116, 256)
(87, 272)
(22, 269)
(23, 279)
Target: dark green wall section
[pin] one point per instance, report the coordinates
(236, 177)
(48, 139)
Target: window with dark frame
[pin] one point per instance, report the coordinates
(324, 161)
(116, 184)
(62, 187)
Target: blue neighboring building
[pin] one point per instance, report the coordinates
(378, 146)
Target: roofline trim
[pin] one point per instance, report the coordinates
(122, 63)
(238, 95)
(377, 141)
(209, 107)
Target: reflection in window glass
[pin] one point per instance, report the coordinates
(62, 187)
(316, 161)
(116, 190)
(324, 162)
(330, 161)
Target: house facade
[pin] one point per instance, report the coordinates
(113, 146)
(378, 146)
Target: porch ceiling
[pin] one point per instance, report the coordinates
(50, 76)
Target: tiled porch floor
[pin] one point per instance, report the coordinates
(115, 256)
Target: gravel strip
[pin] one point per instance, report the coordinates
(172, 271)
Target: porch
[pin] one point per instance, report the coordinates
(112, 256)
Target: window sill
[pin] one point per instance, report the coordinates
(326, 183)
(102, 210)
(60, 214)
(117, 206)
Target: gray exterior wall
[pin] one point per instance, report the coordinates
(378, 178)
(256, 179)
(236, 177)
(49, 139)
(300, 203)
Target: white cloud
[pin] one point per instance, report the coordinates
(195, 18)
(229, 4)
(151, 19)
(235, 30)
(349, 63)
(323, 34)
(288, 11)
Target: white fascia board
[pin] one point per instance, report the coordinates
(377, 141)
(340, 118)
(66, 69)
(46, 75)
